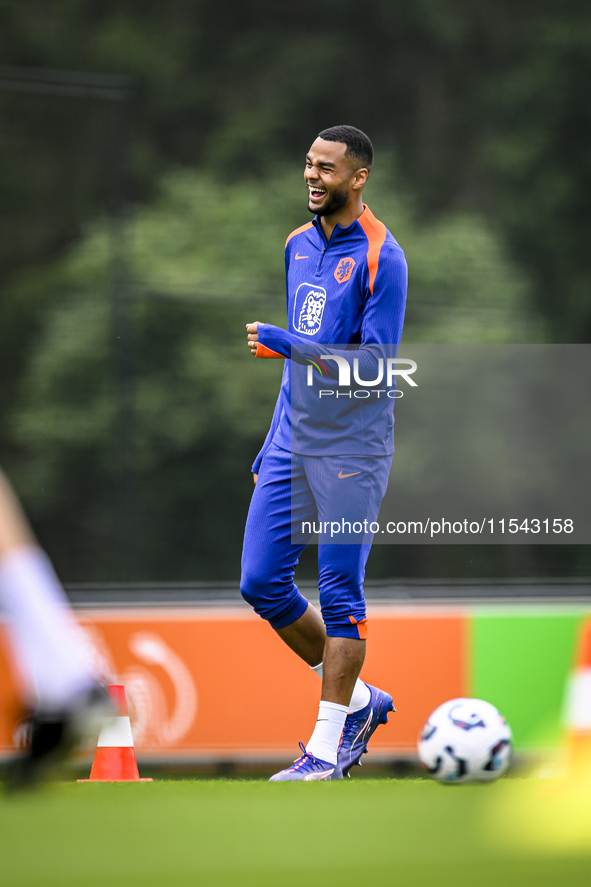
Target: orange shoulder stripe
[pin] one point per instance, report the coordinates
(298, 231)
(263, 351)
(375, 232)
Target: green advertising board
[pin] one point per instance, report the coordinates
(522, 659)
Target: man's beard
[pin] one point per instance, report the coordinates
(337, 201)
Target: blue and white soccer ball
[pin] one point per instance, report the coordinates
(465, 740)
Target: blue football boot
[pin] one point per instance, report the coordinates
(360, 727)
(307, 768)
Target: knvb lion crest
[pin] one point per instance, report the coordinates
(309, 308)
(344, 270)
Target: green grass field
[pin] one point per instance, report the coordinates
(230, 832)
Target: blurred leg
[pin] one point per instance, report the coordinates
(51, 651)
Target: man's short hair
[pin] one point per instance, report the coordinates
(358, 144)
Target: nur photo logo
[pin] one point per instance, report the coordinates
(387, 371)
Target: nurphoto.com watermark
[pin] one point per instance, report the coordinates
(442, 526)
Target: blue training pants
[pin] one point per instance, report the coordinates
(295, 498)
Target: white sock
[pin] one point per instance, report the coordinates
(324, 742)
(361, 694)
(52, 653)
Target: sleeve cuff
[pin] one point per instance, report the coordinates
(263, 351)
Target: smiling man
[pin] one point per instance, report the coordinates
(346, 288)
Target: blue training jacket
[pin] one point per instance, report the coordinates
(348, 292)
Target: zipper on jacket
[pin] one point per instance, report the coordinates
(320, 261)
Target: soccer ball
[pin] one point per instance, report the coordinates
(465, 740)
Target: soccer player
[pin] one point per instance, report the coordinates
(346, 288)
(61, 686)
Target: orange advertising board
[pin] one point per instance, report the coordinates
(218, 682)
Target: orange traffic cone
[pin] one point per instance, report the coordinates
(578, 709)
(114, 760)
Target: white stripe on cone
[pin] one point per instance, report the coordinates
(578, 702)
(116, 733)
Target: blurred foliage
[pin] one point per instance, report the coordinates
(485, 103)
(204, 259)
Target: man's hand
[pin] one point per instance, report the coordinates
(253, 336)
(255, 477)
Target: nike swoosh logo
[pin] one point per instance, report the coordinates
(297, 255)
(341, 475)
